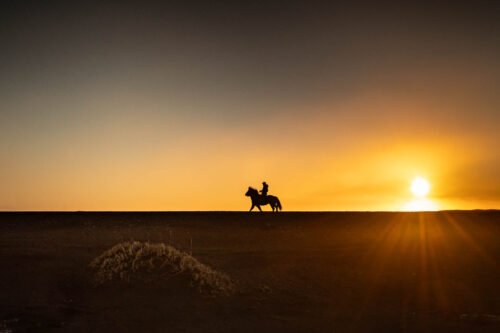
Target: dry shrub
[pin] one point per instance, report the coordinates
(158, 264)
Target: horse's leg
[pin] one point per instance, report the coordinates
(258, 206)
(252, 207)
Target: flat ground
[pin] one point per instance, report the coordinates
(296, 272)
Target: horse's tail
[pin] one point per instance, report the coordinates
(279, 203)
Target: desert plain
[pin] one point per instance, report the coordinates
(292, 272)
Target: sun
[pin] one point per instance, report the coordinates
(420, 187)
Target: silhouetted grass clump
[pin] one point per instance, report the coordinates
(158, 264)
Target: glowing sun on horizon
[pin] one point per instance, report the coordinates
(420, 187)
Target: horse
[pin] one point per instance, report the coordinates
(262, 200)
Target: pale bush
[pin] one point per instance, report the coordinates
(159, 264)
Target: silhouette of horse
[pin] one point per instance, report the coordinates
(262, 200)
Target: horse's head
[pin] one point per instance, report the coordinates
(251, 191)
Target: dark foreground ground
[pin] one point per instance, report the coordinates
(296, 272)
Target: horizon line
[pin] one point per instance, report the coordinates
(246, 211)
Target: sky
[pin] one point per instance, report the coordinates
(182, 106)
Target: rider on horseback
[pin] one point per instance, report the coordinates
(262, 199)
(265, 189)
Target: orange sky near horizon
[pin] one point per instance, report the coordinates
(134, 107)
(324, 163)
